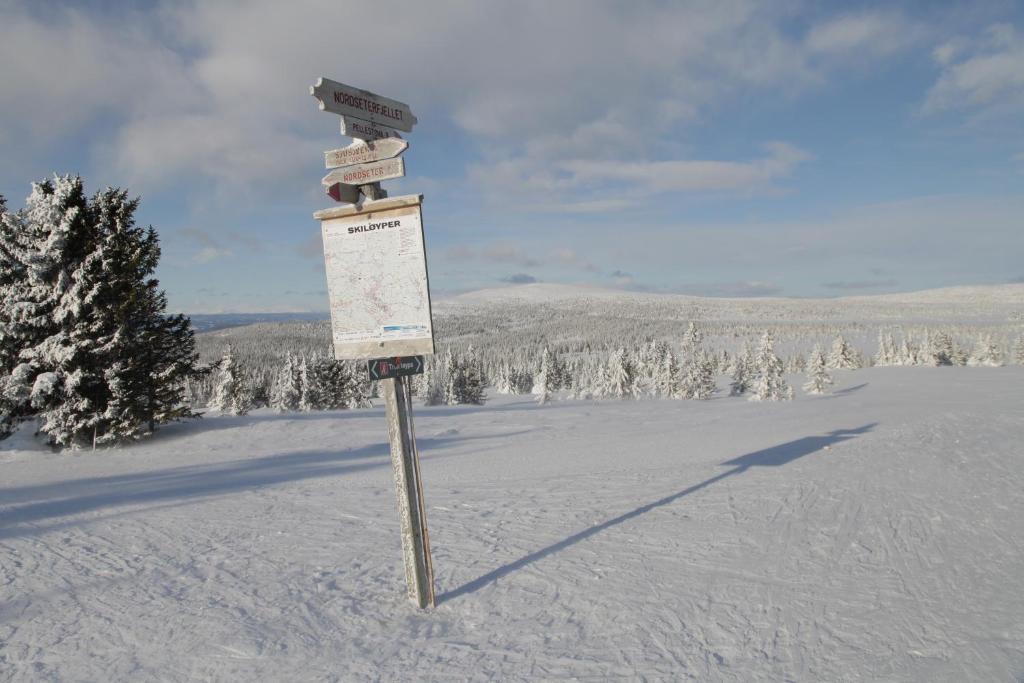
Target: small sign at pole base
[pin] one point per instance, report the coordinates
(386, 368)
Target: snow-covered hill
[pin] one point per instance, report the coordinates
(543, 292)
(871, 534)
(995, 303)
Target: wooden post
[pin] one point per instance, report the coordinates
(373, 191)
(405, 460)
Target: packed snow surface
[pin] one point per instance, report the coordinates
(876, 533)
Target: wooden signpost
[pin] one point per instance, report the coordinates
(362, 174)
(366, 130)
(362, 104)
(377, 284)
(360, 152)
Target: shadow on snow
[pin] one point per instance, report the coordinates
(775, 456)
(60, 499)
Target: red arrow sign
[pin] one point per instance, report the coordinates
(340, 192)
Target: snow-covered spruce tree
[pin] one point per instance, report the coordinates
(97, 358)
(578, 386)
(503, 380)
(907, 355)
(986, 353)
(692, 339)
(544, 381)
(473, 381)
(619, 376)
(230, 395)
(938, 349)
(697, 380)
(39, 242)
(796, 363)
(643, 378)
(887, 353)
(656, 353)
(770, 385)
(360, 387)
(557, 372)
(420, 383)
(309, 392)
(431, 388)
(11, 272)
(842, 356)
(331, 378)
(701, 382)
(667, 380)
(287, 387)
(743, 371)
(464, 383)
(818, 379)
(452, 378)
(148, 354)
(1018, 355)
(597, 379)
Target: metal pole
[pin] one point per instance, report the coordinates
(419, 572)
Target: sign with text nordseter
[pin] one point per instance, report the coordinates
(377, 279)
(371, 172)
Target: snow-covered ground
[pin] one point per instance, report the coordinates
(873, 534)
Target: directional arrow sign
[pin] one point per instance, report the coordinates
(364, 130)
(362, 174)
(386, 368)
(340, 192)
(362, 104)
(360, 152)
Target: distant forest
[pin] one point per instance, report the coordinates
(502, 346)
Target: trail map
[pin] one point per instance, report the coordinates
(377, 284)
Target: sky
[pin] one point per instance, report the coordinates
(725, 148)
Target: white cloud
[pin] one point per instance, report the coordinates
(985, 75)
(64, 68)
(689, 175)
(218, 90)
(208, 254)
(943, 234)
(871, 33)
(584, 185)
(945, 53)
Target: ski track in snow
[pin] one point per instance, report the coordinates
(873, 534)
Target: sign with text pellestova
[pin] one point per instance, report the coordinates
(366, 130)
(377, 279)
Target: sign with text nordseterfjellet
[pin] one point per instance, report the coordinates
(377, 279)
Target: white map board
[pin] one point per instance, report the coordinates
(377, 279)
